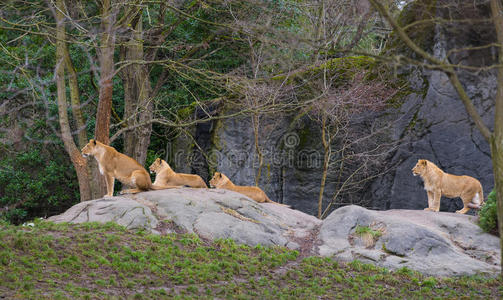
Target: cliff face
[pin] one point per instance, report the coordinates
(440, 128)
(292, 157)
(430, 124)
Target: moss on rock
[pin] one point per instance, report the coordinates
(418, 19)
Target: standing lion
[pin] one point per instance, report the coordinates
(437, 183)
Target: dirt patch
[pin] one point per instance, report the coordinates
(308, 243)
(169, 226)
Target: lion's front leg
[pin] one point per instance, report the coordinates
(110, 180)
(436, 200)
(430, 201)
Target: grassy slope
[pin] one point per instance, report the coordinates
(107, 261)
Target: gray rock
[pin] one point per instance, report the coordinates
(210, 213)
(440, 244)
(129, 213)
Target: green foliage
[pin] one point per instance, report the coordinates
(33, 184)
(341, 70)
(488, 214)
(94, 260)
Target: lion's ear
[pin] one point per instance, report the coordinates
(423, 162)
(94, 142)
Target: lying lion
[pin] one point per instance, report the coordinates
(166, 176)
(221, 181)
(115, 165)
(437, 183)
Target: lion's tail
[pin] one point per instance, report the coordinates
(478, 200)
(267, 200)
(482, 200)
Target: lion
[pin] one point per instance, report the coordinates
(115, 165)
(166, 176)
(437, 183)
(221, 181)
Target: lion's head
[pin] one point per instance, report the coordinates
(420, 167)
(155, 167)
(90, 148)
(218, 180)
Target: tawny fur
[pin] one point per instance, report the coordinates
(166, 176)
(437, 183)
(115, 165)
(221, 181)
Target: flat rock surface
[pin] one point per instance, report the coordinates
(440, 244)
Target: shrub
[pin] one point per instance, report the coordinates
(488, 218)
(34, 185)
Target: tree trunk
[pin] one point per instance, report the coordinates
(130, 99)
(326, 160)
(497, 137)
(78, 161)
(106, 59)
(138, 105)
(80, 124)
(145, 105)
(497, 160)
(255, 121)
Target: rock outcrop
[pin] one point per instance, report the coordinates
(441, 244)
(210, 213)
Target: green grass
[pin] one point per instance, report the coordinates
(362, 230)
(368, 234)
(90, 261)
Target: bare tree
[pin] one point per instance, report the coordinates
(343, 150)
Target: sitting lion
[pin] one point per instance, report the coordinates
(437, 183)
(166, 176)
(115, 165)
(221, 181)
